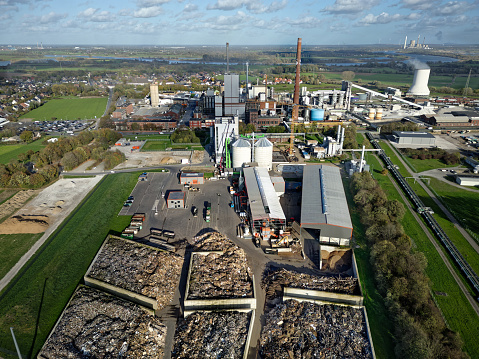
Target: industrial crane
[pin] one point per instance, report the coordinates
(295, 111)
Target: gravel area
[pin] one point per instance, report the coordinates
(306, 330)
(211, 335)
(138, 268)
(98, 325)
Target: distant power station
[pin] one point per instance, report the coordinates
(413, 44)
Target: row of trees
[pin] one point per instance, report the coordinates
(34, 169)
(449, 158)
(419, 329)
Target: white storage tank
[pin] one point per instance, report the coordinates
(241, 152)
(372, 113)
(263, 153)
(379, 114)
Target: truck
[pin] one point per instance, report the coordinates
(194, 210)
(208, 212)
(138, 217)
(156, 232)
(168, 234)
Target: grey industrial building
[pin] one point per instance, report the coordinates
(467, 180)
(414, 138)
(192, 178)
(176, 199)
(265, 210)
(324, 209)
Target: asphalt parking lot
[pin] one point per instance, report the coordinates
(148, 200)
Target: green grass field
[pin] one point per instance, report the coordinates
(61, 264)
(10, 152)
(418, 165)
(13, 247)
(453, 233)
(69, 109)
(457, 311)
(462, 203)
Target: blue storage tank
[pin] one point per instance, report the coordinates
(317, 114)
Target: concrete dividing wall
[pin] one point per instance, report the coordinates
(322, 296)
(122, 293)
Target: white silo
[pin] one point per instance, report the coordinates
(241, 152)
(419, 83)
(263, 153)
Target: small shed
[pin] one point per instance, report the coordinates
(192, 178)
(176, 199)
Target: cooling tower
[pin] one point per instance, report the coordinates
(419, 84)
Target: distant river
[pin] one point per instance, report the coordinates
(422, 58)
(147, 59)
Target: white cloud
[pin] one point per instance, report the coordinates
(190, 8)
(254, 6)
(4, 17)
(350, 6)
(92, 14)
(150, 3)
(51, 17)
(453, 8)
(383, 18)
(146, 12)
(306, 22)
(420, 4)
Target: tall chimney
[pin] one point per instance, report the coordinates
(227, 58)
(296, 82)
(338, 135)
(362, 159)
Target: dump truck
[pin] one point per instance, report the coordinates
(126, 235)
(156, 232)
(168, 234)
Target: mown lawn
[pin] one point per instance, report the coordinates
(459, 314)
(418, 165)
(9, 152)
(462, 203)
(58, 267)
(69, 109)
(13, 247)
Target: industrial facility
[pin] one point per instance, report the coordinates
(324, 209)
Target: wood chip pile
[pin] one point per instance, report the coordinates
(220, 275)
(138, 268)
(306, 330)
(211, 335)
(98, 325)
(280, 278)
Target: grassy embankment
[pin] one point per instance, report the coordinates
(453, 233)
(13, 247)
(456, 309)
(69, 109)
(380, 325)
(10, 152)
(60, 265)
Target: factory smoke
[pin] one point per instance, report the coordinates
(418, 65)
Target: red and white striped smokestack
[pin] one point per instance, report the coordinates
(296, 82)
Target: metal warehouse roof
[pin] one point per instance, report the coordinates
(175, 195)
(264, 202)
(323, 199)
(190, 174)
(412, 134)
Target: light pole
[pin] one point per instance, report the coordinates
(16, 344)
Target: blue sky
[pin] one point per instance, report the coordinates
(239, 22)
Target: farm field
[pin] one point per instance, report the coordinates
(58, 267)
(9, 152)
(69, 109)
(457, 311)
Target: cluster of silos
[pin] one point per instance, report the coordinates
(263, 153)
(375, 113)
